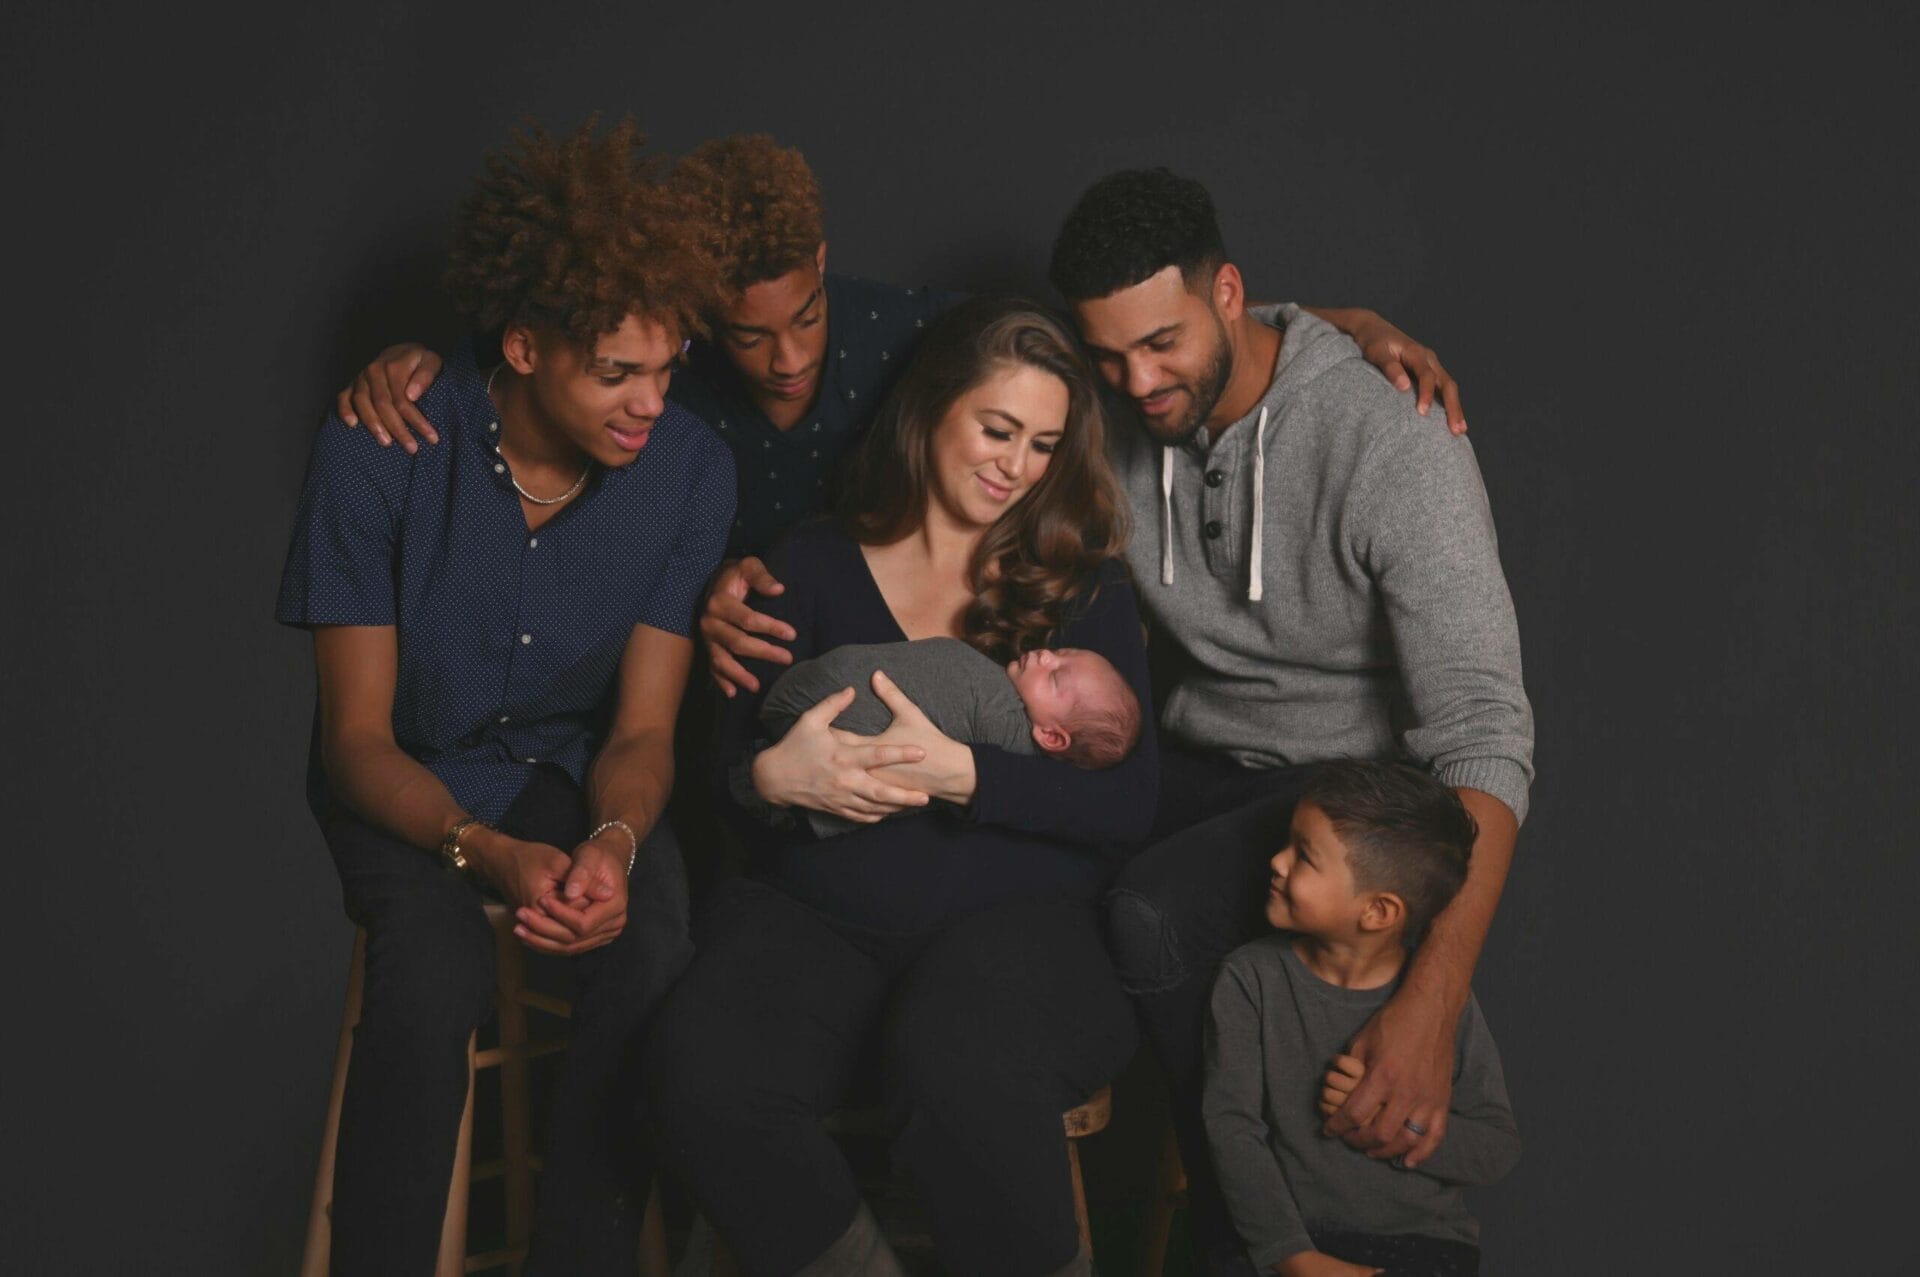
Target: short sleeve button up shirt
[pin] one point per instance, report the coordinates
(509, 640)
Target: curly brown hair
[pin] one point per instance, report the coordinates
(574, 234)
(1040, 559)
(759, 202)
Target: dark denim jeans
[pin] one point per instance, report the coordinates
(429, 984)
(988, 1029)
(1179, 907)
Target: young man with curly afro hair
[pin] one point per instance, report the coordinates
(501, 629)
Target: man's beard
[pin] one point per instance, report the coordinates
(1203, 396)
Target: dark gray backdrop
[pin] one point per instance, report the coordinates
(1671, 263)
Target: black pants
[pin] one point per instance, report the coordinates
(429, 984)
(989, 1028)
(1402, 1255)
(1179, 907)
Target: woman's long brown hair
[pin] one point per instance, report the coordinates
(1042, 557)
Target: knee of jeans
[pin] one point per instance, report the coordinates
(1141, 938)
(430, 975)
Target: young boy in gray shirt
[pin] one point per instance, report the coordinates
(1067, 702)
(1376, 851)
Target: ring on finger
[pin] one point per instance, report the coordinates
(1414, 1126)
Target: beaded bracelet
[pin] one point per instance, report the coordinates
(632, 837)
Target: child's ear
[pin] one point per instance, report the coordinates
(1383, 912)
(1051, 739)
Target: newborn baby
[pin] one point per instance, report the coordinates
(1068, 702)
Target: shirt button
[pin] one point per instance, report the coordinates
(532, 542)
(532, 761)
(1215, 478)
(498, 468)
(528, 638)
(492, 426)
(1213, 531)
(503, 718)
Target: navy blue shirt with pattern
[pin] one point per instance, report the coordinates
(784, 475)
(509, 640)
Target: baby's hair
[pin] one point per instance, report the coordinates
(1103, 734)
(1405, 832)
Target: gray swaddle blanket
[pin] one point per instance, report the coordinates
(964, 694)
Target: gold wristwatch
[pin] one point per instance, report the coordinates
(450, 845)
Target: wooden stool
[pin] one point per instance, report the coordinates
(515, 1165)
(1086, 1119)
(1169, 1194)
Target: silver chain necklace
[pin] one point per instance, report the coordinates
(568, 495)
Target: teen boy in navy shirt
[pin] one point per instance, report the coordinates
(500, 630)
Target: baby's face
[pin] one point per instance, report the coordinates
(1054, 682)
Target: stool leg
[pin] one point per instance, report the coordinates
(319, 1249)
(516, 1122)
(452, 1260)
(653, 1239)
(1169, 1181)
(1080, 1197)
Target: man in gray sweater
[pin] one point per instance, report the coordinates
(1318, 566)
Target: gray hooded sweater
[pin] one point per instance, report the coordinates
(1327, 571)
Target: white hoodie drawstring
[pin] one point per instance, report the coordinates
(1259, 508)
(1166, 516)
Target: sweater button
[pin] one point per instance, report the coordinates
(1215, 478)
(1213, 529)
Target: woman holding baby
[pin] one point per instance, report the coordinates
(953, 933)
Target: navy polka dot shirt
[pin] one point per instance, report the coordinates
(784, 475)
(509, 641)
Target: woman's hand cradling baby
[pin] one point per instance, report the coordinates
(822, 768)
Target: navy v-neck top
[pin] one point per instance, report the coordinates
(1036, 825)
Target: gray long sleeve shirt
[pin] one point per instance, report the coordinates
(1273, 1030)
(963, 693)
(1379, 623)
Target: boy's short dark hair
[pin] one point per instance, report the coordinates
(1130, 226)
(1405, 832)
